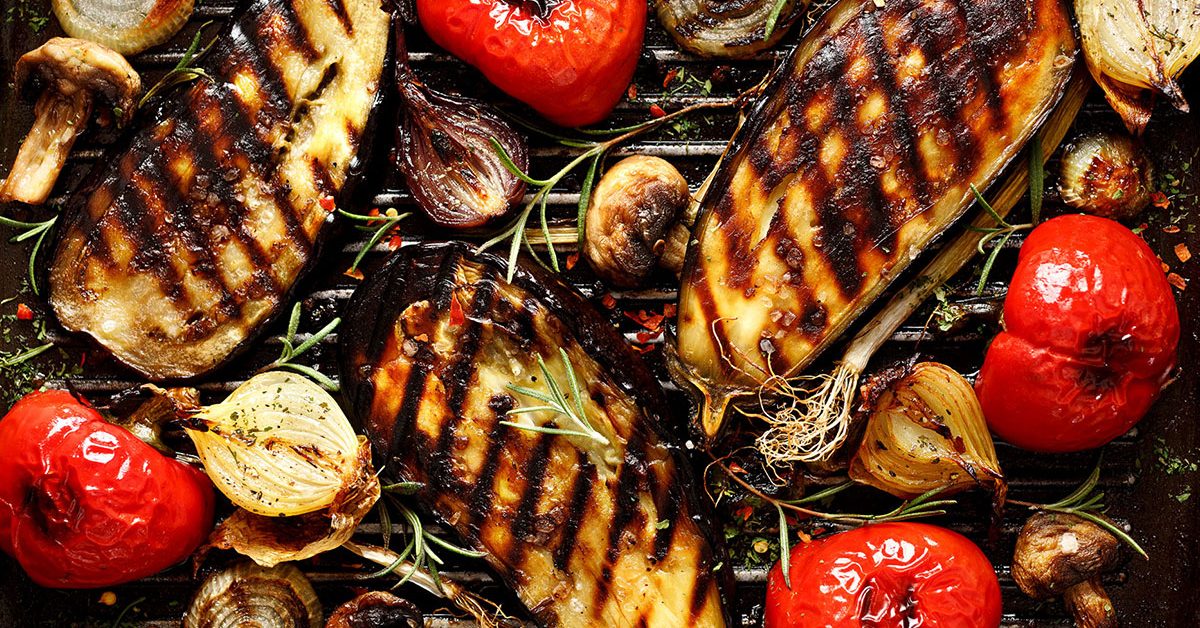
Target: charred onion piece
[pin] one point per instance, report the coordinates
(733, 29)
(249, 595)
(126, 26)
(633, 210)
(72, 74)
(1062, 554)
(377, 609)
(1106, 174)
(444, 148)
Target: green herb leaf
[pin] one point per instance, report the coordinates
(769, 29)
(1037, 178)
(785, 552)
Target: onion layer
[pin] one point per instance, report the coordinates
(278, 446)
(927, 431)
(126, 26)
(1136, 49)
(732, 29)
(1106, 174)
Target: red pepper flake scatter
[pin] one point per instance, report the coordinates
(1171, 229)
(608, 301)
(670, 78)
(354, 273)
(1182, 252)
(657, 111)
(744, 513)
(632, 92)
(1160, 200)
(24, 313)
(572, 260)
(394, 242)
(648, 320)
(643, 349)
(456, 313)
(1176, 280)
(670, 310)
(328, 204)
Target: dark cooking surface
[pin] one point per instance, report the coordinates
(1158, 505)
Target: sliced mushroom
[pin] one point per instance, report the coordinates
(377, 609)
(1062, 554)
(72, 74)
(635, 210)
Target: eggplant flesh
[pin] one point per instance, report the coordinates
(861, 151)
(587, 534)
(183, 243)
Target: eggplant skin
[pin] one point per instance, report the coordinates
(587, 534)
(861, 151)
(181, 245)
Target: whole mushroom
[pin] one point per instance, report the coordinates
(1063, 554)
(376, 609)
(634, 219)
(72, 74)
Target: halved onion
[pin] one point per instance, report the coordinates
(1136, 49)
(278, 446)
(727, 29)
(926, 431)
(127, 26)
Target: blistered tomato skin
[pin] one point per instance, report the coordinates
(84, 503)
(571, 65)
(1090, 336)
(902, 575)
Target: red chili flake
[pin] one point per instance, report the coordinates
(608, 301)
(657, 111)
(24, 313)
(670, 77)
(804, 538)
(1182, 252)
(1171, 229)
(354, 273)
(737, 468)
(1165, 268)
(1160, 200)
(670, 310)
(572, 260)
(328, 204)
(1179, 282)
(646, 336)
(643, 349)
(744, 513)
(83, 359)
(648, 320)
(456, 314)
(374, 213)
(394, 242)
(632, 92)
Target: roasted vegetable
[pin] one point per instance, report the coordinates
(1106, 174)
(1137, 49)
(728, 28)
(377, 609)
(926, 432)
(565, 481)
(887, 574)
(861, 152)
(185, 242)
(127, 26)
(73, 74)
(247, 595)
(1090, 336)
(1062, 554)
(84, 503)
(633, 210)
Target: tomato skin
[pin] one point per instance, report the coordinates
(1091, 330)
(84, 503)
(903, 575)
(572, 66)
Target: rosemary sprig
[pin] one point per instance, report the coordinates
(1037, 178)
(1084, 502)
(382, 225)
(419, 545)
(36, 231)
(1002, 230)
(593, 152)
(291, 350)
(183, 72)
(556, 401)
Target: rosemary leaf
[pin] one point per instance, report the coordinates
(1037, 178)
(785, 552)
(769, 29)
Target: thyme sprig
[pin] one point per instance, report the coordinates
(36, 231)
(591, 157)
(555, 401)
(381, 224)
(7, 361)
(183, 72)
(291, 350)
(1003, 230)
(1086, 503)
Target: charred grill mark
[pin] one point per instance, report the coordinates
(581, 494)
(480, 502)
(701, 586)
(952, 78)
(151, 248)
(626, 509)
(339, 10)
(665, 537)
(979, 56)
(294, 30)
(523, 526)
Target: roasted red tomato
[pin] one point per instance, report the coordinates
(571, 60)
(1090, 332)
(84, 503)
(889, 574)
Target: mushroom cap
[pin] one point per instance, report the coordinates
(67, 66)
(1056, 551)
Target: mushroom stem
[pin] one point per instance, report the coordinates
(1090, 605)
(60, 119)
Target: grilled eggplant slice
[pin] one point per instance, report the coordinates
(588, 534)
(860, 153)
(180, 246)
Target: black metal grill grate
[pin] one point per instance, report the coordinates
(337, 576)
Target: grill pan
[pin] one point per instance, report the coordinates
(1139, 490)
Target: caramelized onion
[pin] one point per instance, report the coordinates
(250, 595)
(1106, 174)
(444, 149)
(126, 26)
(926, 432)
(1136, 49)
(732, 29)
